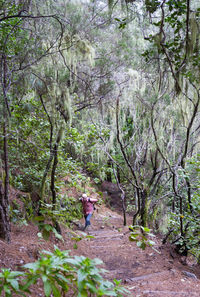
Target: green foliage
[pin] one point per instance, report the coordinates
(46, 221)
(10, 283)
(122, 23)
(181, 46)
(46, 230)
(82, 144)
(66, 211)
(97, 180)
(70, 210)
(60, 274)
(28, 151)
(17, 216)
(140, 235)
(21, 210)
(152, 5)
(10, 30)
(49, 58)
(188, 242)
(93, 168)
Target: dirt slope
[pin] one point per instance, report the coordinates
(144, 273)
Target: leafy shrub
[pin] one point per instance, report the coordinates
(188, 241)
(60, 274)
(141, 236)
(9, 283)
(46, 221)
(70, 209)
(21, 214)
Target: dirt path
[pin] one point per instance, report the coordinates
(144, 273)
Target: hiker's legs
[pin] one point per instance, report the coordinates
(87, 219)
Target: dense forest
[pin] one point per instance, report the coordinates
(108, 91)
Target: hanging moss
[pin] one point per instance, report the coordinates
(178, 83)
(110, 4)
(194, 32)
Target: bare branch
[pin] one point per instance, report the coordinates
(20, 15)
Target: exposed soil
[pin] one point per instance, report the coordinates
(145, 273)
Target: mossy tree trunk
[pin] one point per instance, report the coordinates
(4, 191)
(48, 165)
(144, 208)
(4, 217)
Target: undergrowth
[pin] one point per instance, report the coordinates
(60, 274)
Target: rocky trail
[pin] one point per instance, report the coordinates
(145, 273)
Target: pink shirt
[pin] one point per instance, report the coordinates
(88, 206)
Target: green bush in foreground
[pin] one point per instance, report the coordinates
(60, 273)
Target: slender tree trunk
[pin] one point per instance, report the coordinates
(4, 218)
(4, 192)
(45, 175)
(181, 215)
(53, 190)
(138, 206)
(144, 210)
(180, 202)
(122, 196)
(51, 152)
(189, 193)
(123, 206)
(128, 163)
(55, 162)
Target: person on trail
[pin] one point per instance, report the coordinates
(88, 208)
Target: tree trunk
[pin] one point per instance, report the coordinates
(122, 196)
(123, 206)
(55, 162)
(42, 189)
(4, 192)
(144, 209)
(45, 176)
(53, 190)
(4, 219)
(4, 202)
(137, 206)
(108, 172)
(118, 174)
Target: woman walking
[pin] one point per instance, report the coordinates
(88, 208)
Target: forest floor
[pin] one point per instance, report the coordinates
(146, 273)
